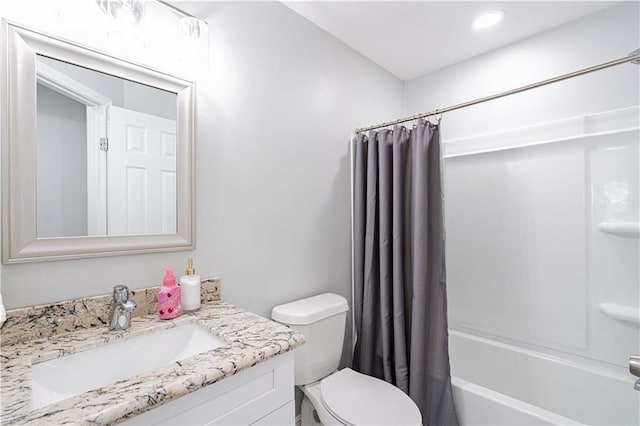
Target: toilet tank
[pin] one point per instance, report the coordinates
(322, 320)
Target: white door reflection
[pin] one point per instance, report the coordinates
(106, 155)
(141, 174)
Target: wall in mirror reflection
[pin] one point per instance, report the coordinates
(106, 154)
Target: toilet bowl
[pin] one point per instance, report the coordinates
(338, 397)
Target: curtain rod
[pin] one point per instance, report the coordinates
(634, 57)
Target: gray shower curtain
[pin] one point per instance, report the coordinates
(400, 301)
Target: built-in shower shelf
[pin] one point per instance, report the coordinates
(630, 229)
(623, 313)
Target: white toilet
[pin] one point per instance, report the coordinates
(338, 397)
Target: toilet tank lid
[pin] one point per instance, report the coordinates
(310, 310)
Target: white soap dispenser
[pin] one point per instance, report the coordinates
(190, 285)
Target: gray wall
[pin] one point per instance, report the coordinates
(123, 93)
(274, 115)
(106, 84)
(150, 100)
(61, 165)
(277, 112)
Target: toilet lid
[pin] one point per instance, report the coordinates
(358, 399)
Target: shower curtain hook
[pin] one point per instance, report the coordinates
(439, 117)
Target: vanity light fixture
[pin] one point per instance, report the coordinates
(128, 16)
(127, 13)
(130, 13)
(488, 19)
(194, 32)
(194, 39)
(191, 28)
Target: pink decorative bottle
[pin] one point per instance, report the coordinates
(169, 303)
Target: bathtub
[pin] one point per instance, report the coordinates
(495, 383)
(477, 405)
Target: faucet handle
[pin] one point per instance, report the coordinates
(634, 365)
(120, 293)
(129, 305)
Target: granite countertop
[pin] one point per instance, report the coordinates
(250, 337)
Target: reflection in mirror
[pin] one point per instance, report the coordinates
(106, 154)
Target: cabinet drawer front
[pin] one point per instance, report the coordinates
(242, 398)
(283, 416)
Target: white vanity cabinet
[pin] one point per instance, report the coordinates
(260, 395)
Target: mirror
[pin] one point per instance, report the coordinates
(97, 153)
(106, 154)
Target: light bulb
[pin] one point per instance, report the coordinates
(194, 44)
(127, 13)
(488, 20)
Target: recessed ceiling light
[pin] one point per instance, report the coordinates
(488, 20)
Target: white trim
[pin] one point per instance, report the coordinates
(96, 171)
(67, 86)
(568, 129)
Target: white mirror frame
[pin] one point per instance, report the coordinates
(18, 114)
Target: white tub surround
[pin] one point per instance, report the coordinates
(250, 339)
(543, 276)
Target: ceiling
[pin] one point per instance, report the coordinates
(412, 38)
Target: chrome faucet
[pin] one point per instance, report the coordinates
(634, 368)
(121, 308)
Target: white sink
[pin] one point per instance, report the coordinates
(62, 378)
